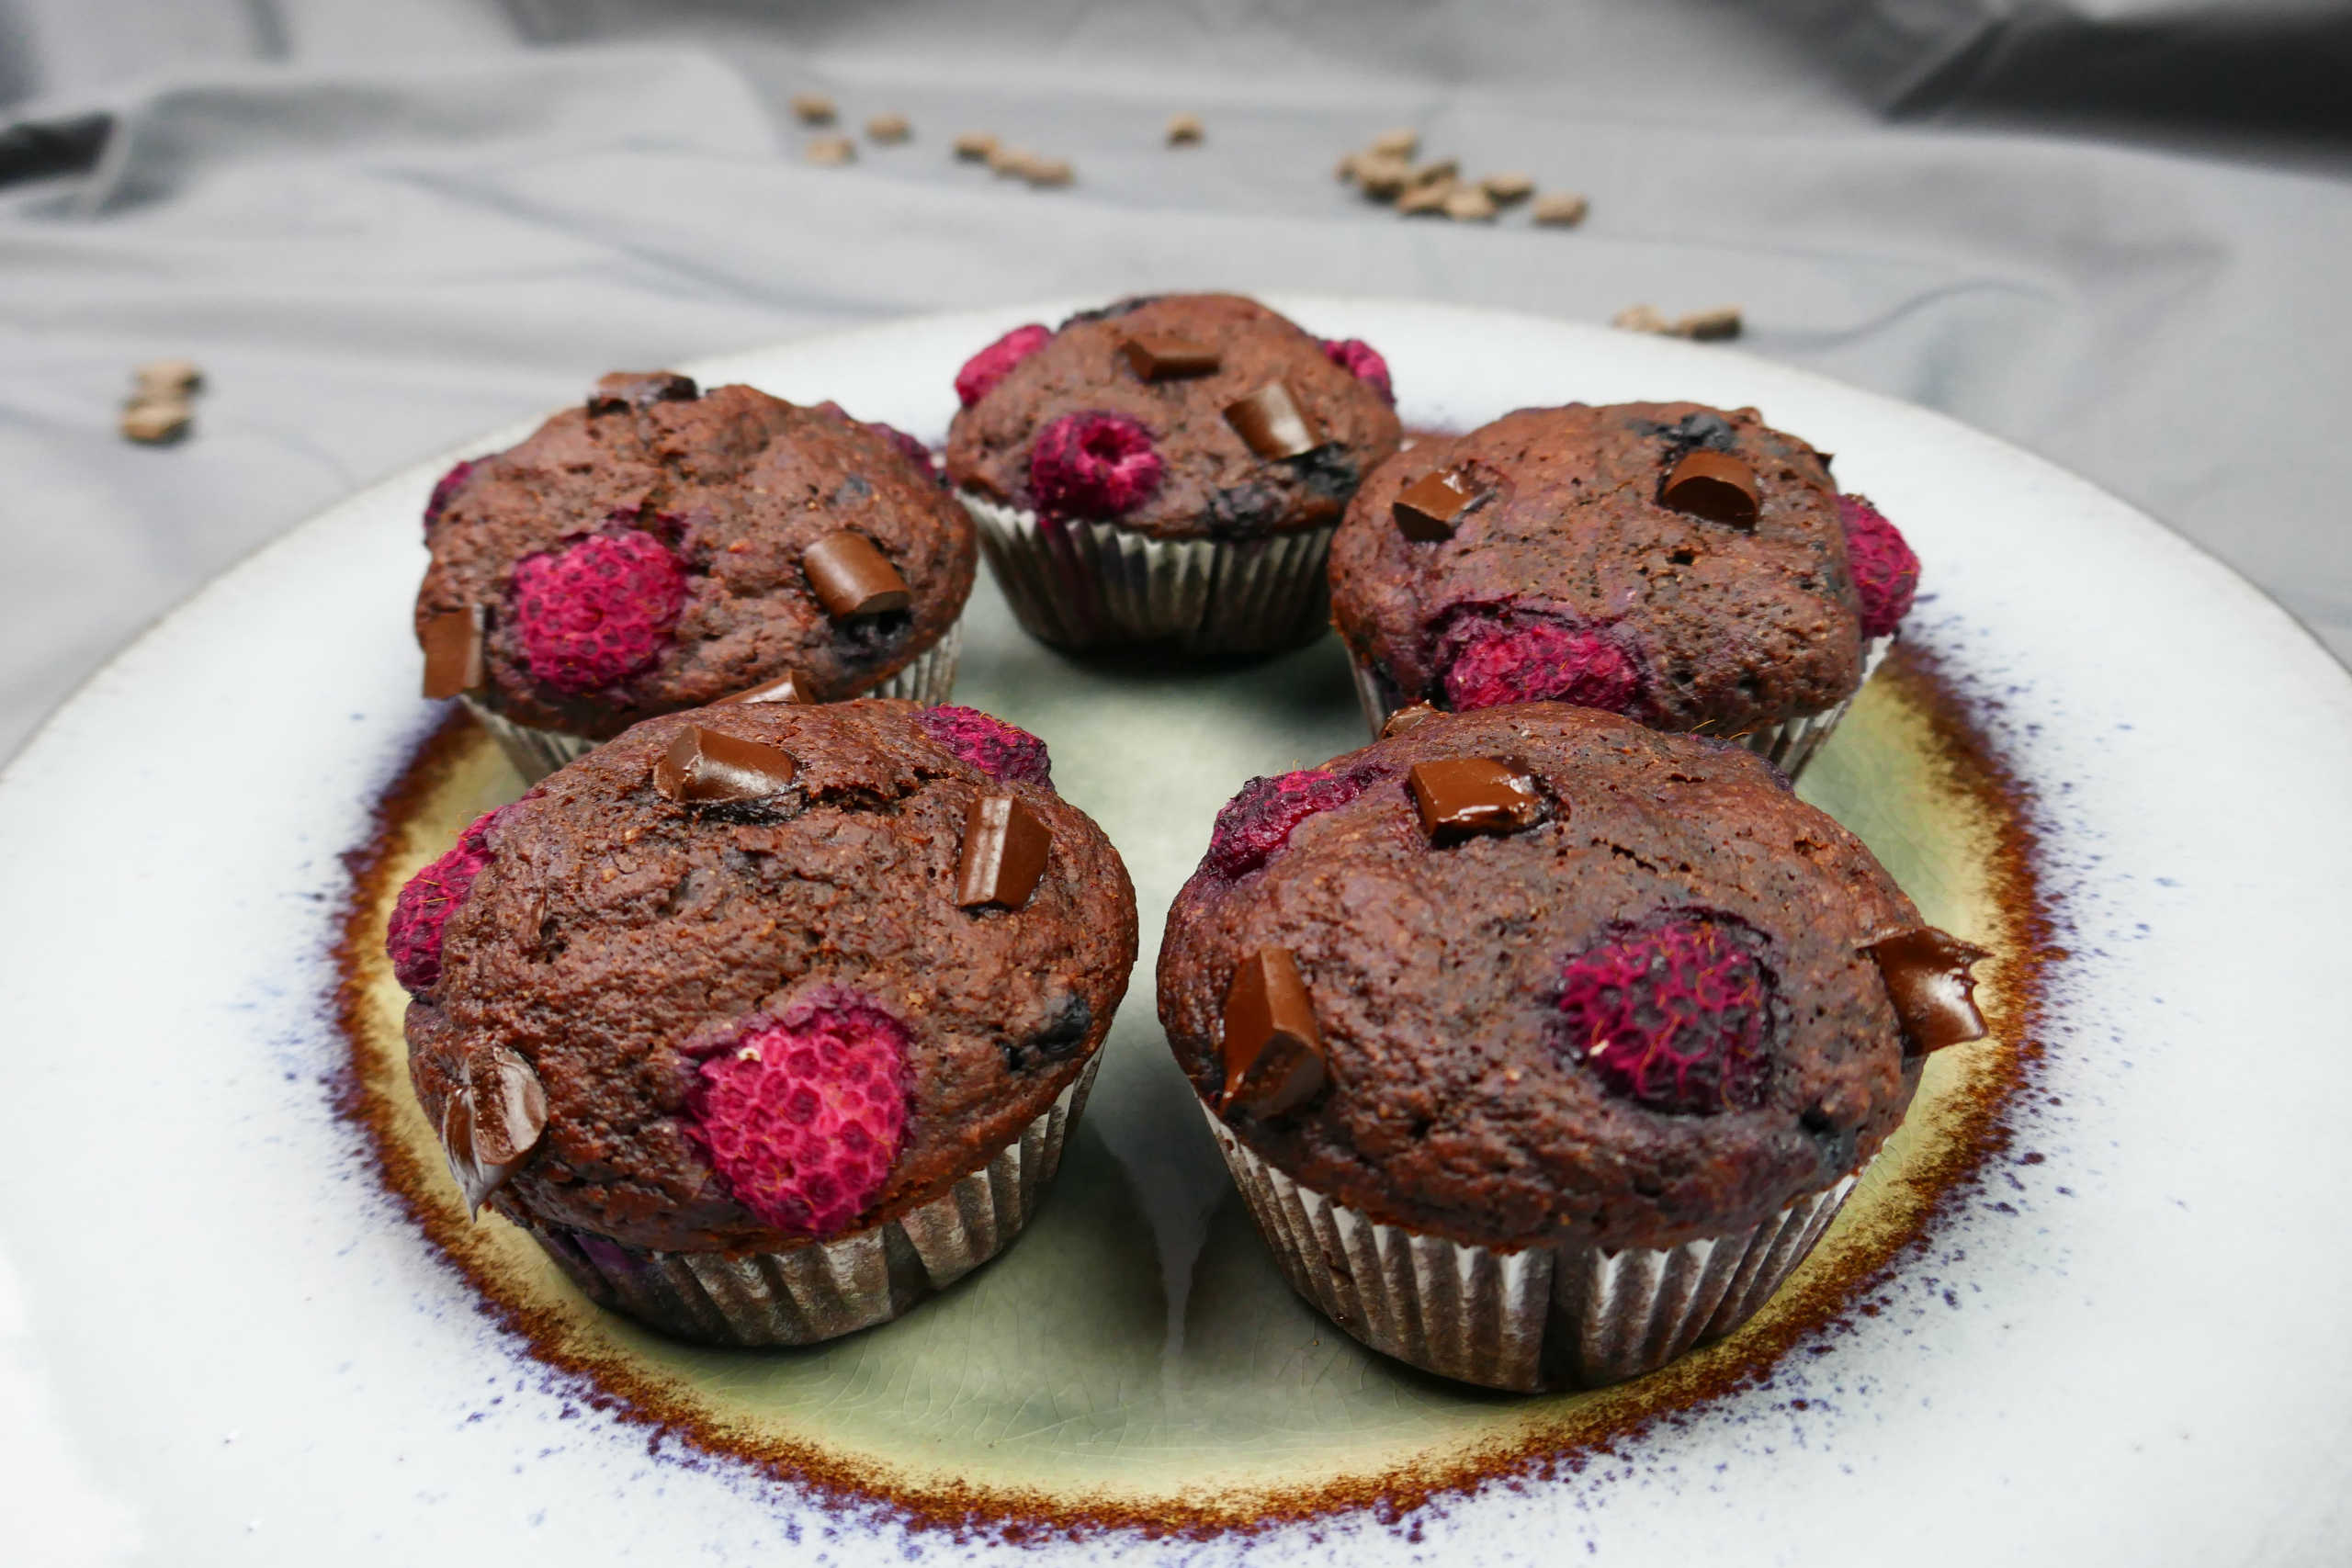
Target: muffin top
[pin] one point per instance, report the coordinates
(1180, 416)
(760, 973)
(1574, 980)
(1686, 565)
(657, 550)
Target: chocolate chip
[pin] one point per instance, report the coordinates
(1273, 424)
(1460, 796)
(785, 688)
(1272, 1047)
(624, 391)
(1428, 509)
(1406, 718)
(1005, 849)
(1163, 357)
(492, 1123)
(705, 767)
(1927, 977)
(852, 578)
(452, 647)
(1712, 485)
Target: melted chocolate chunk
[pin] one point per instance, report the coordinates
(1071, 1022)
(1005, 850)
(704, 767)
(1272, 1048)
(453, 649)
(1163, 357)
(1406, 718)
(1273, 423)
(1928, 979)
(852, 578)
(624, 391)
(785, 688)
(1712, 485)
(1463, 796)
(1242, 509)
(490, 1124)
(1427, 510)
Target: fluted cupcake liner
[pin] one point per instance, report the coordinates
(927, 678)
(1079, 584)
(825, 1289)
(1788, 745)
(1545, 1317)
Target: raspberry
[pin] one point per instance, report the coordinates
(1886, 574)
(425, 906)
(1673, 1015)
(1093, 465)
(996, 747)
(1260, 818)
(992, 363)
(803, 1117)
(1524, 656)
(1362, 361)
(599, 611)
(444, 491)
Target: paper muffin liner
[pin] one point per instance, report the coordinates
(1083, 585)
(1788, 745)
(1545, 1317)
(928, 678)
(825, 1289)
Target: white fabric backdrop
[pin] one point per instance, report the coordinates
(2112, 233)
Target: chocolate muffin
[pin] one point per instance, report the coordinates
(768, 1021)
(1688, 567)
(1166, 472)
(659, 548)
(1594, 1024)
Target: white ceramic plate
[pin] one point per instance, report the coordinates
(221, 1340)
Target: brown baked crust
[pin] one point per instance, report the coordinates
(612, 929)
(1454, 1108)
(1215, 486)
(1731, 628)
(738, 484)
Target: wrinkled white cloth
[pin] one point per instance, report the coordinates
(2112, 233)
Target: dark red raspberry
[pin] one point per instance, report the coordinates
(1362, 361)
(599, 611)
(803, 1117)
(444, 491)
(1260, 818)
(1514, 655)
(996, 747)
(1886, 574)
(992, 363)
(426, 904)
(1674, 1016)
(1093, 465)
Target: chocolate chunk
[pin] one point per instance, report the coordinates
(704, 767)
(1272, 422)
(852, 578)
(1163, 357)
(1406, 718)
(1273, 1048)
(1427, 510)
(1927, 977)
(1464, 795)
(785, 688)
(1005, 848)
(490, 1124)
(626, 389)
(453, 646)
(1712, 485)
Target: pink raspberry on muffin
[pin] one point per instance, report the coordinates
(1362, 361)
(1261, 817)
(444, 491)
(426, 904)
(1886, 574)
(994, 363)
(1673, 1017)
(1093, 465)
(1524, 657)
(599, 611)
(803, 1117)
(999, 750)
